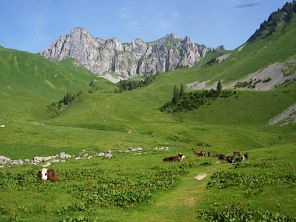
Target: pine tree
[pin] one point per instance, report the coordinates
(181, 93)
(219, 87)
(175, 95)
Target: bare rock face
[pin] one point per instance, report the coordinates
(128, 59)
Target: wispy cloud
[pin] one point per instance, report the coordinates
(124, 13)
(250, 5)
(126, 16)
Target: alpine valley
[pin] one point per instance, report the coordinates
(118, 146)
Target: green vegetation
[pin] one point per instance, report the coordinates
(30, 82)
(131, 84)
(211, 58)
(266, 80)
(251, 83)
(57, 107)
(238, 213)
(96, 86)
(182, 101)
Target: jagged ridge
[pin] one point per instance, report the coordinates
(129, 59)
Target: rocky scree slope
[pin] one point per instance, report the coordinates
(137, 58)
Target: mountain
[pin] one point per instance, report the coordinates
(128, 59)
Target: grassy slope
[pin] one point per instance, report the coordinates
(30, 82)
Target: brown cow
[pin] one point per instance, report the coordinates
(198, 152)
(221, 156)
(179, 157)
(47, 174)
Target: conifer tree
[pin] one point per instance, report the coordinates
(181, 93)
(219, 87)
(175, 95)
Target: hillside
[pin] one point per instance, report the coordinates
(29, 83)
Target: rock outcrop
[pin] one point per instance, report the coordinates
(126, 59)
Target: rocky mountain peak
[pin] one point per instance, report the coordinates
(171, 36)
(186, 40)
(78, 30)
(128, 59)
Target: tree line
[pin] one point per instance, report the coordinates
(182, 101)
(131, 84)
(56, 108)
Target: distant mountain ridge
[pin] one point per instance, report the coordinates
(137, 58)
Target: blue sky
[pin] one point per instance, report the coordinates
(32, 25)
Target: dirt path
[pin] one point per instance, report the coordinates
(179, 204)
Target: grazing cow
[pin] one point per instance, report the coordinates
(229, 159)
(198, 153)
(221, 156)
(179, 157)
(246, 156)
(47, 174)
(238, 157)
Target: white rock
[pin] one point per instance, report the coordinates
(108, 155)
(64, 155)
(4, 160)
(16, 162)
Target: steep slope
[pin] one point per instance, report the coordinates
(29, 83)
(129, 59)
(276, 22)
(255, 55)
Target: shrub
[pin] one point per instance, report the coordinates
(235, 212)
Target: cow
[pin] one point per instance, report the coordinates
(47, 174)
(230, 159)
(198, 153)
(179, 157)
(221, 156)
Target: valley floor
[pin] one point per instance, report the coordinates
(141, 187)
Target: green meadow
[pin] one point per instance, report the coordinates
(139, 186)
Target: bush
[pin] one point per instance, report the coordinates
(131, 84)
(57, 107)
(193, 100)
(235, 212)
